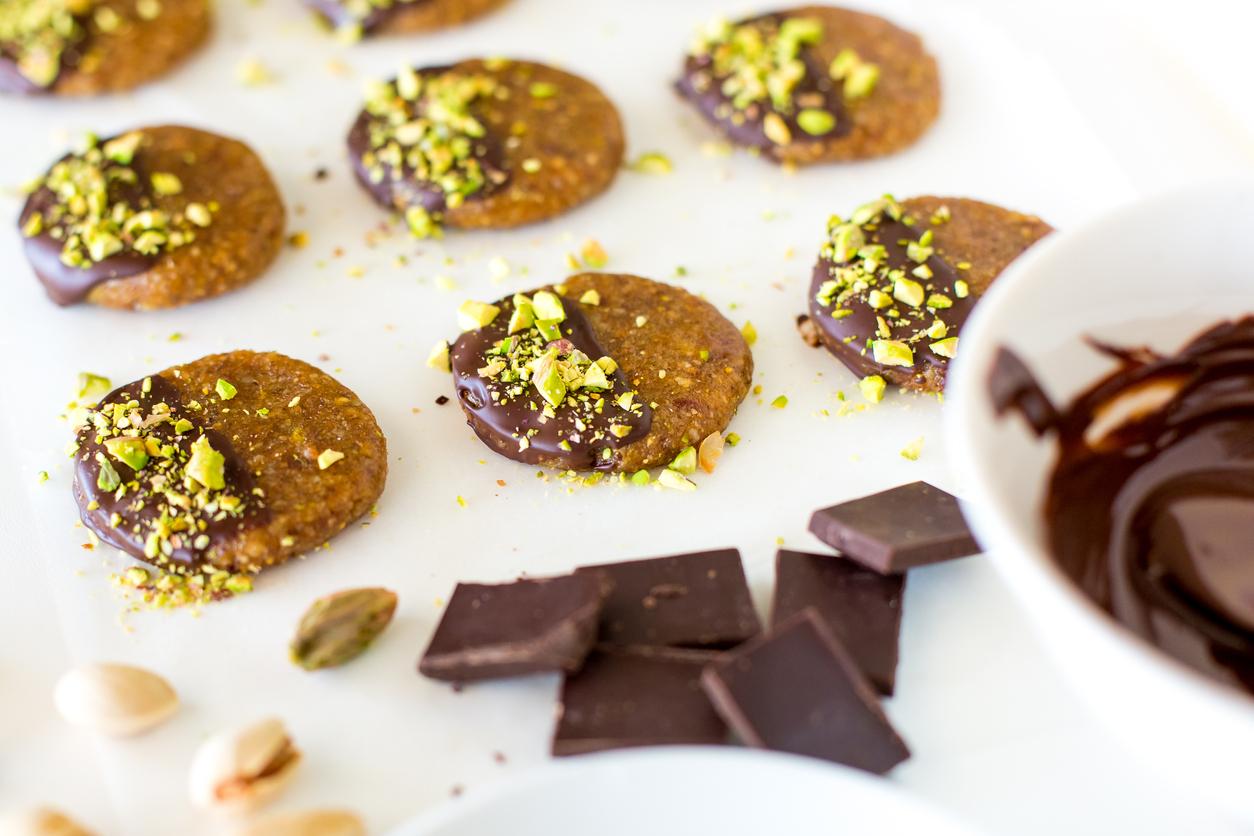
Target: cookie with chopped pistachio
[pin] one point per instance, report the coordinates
(484, 144)
(812, 84)
(355, 19)
(604, 372)
(153, 218)
(235, 461)
(895, 282)
(88, 47)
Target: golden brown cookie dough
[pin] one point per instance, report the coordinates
(353, 19)
(645, 369)
(813, 84)
(508, 143)
(88, 47)
(895, 283)
(237, 461)
(201, 217)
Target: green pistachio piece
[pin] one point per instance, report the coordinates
(652, 162)
(847, 239)
(625, 400)
(328, 457)
(590, 297)
(548, 329)
(129, 451)
(548, 306)
(91, 387)
(182, 426)
(206, 465)
(939, 301)
(892, 353)
(122, 149)
(861, 81)
(607, 364)
(421, 223)
(620, 430)
(843, 64)
(816, 122)
(225, 389)
(542, 90)
(548, 380)
(878, 299)
(961, 289)
(338, 628)
(946, 347)
(198, 214)
(34, 225)
(166, 184)
(472, 315)
(776, 129)
(594, 378)
(908, 291)
(523, 316)
(937, 330)
(685, 462)
(107, 480)
(439, 357)
(872, 388)
(675, 480)
(640, 477)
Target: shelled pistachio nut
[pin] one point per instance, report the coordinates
(241, 769)
(40, 821)
(307, 823)
(114, 699)
(337, 628)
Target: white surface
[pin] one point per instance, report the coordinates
(652, 791)
(1196, 731)
(996, 736)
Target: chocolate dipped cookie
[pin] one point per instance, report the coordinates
(154, 218)
(485, 144)
(896, 281)
(604, 372)
(355, 19)
(87, 47)
(812, 84)
(235, 462)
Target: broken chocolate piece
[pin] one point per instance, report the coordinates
(637, 697)
(1011, 385)
(897, 529)
(797, 690)
(861, 607)
(528, 626)
(685, 600)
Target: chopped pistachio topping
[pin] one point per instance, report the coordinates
(421, 126)
(100, 208)
(685, 462)
(225, 389)
(652, 162)
(675, 480)
(749, 333)
(872, 388)
(37, 34)
(438, 358)
(892, 353)
(780, 402)
(816, 122)
(328, 457)
(472, 314)
(913, 450)
(207, 466)
(859, 77)
(590, 297)
(946, 347)
(759, 61)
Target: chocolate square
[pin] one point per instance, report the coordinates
(685, 600)
(861, 607)
(528, 626)
(637, 697)
(797, 690)
(898, 529)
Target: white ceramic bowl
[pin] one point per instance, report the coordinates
(1152, 273)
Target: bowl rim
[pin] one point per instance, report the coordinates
(1012, 551)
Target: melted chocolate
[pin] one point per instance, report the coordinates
(1155, 519)
(403, 189)
(849, 337)
(744, 127)
(139, 509)
(1012, 386)
(13, 81)
(501, 425)
(66, 284)
(338, 15)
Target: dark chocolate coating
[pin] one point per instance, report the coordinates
(501, 425)
(1012, 386)
(897, 529)
(684, 600)
(490, 631)
(336, 13)
(129, 536)
(1155, 519)
(639, 697)
(798, 690)
(745, 127)
(861, 607)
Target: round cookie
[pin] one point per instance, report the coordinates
(234, 461)
(154, 218)
(813, 84)
(353, 19)
(88, 47)
(895, 283)
(485, 144)
(604, 372)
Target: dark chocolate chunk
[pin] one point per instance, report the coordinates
(528, 626)
(861, 607)
(685, 600)
(637, 697)
(897, 529)
(1012, 385)
(797, 690)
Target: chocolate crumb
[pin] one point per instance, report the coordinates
(441, 400)
(809, 331)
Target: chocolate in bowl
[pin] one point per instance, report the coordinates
(1150, 505)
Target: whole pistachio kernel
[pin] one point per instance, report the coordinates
(472, 315)
(892, 353)
(340, 627)
(206, 465)
(816, 122)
